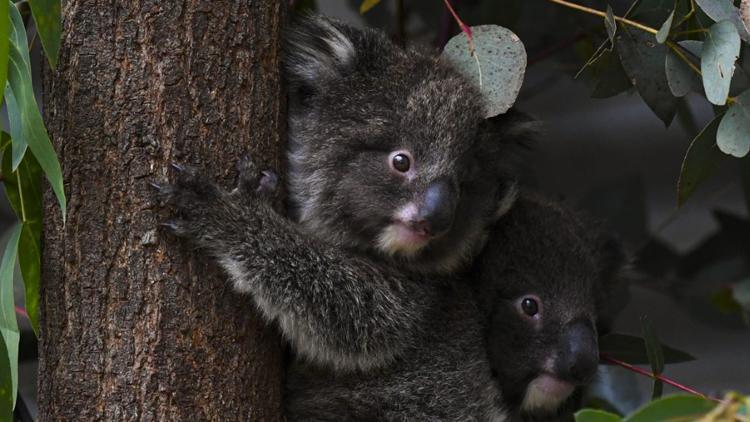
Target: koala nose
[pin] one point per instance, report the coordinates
(579, 353)
(438, 208)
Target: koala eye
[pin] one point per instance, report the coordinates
(400, 161)
(530, 305)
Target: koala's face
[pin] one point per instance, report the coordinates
(388, 149)
(545, 291)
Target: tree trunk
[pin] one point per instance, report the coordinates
(136, 325)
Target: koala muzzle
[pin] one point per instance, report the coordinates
(438, 208)
(578, 356)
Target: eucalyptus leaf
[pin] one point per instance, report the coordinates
(49, 26)
(677, 407)
(663, 33)
(643, 61)
(496, 67)
(680, 77)
(4, 41)
(733, 135)
(610, 77)
(26, 112)
(700, 162)
(367, 5)
(720, 52)
(632, 349)
(6, 383)
(23, 189)
(720, 10)
(610, 23)
(595, 415)
(655, 354)
(8, 323)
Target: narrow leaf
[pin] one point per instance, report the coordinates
(720, 52)
(720, 10)
(8, 323)
(677, 407)
(610, 24)
(700, 162)
(595, 415)
(655, 355)
(367, 5)
(643, 61)
(733, 136)
(502, 58)
(6, 383)
(24, 192)
(4, 41)
(663, 33)
(49, 25)
(26, 112)
(632, 349)
(681, 78)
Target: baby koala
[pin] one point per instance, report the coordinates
(514, 342)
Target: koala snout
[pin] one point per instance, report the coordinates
(578, 357)
(438, 208)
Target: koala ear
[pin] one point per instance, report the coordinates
(317, 49)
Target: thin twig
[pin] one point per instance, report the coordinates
(651, 375)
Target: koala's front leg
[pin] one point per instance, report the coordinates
(335, 308)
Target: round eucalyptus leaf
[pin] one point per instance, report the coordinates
(733, 136)
(720, 52)
(720, 10)
(497, 65)
(681, 78)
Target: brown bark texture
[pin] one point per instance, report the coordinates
(136, 324)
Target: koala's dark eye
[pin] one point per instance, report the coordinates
(529, 306)
(401, 162)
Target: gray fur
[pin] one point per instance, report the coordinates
(475, 354)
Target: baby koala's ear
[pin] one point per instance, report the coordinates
(613, 284)
(317, 49)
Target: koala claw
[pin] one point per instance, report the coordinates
(269, 181)
(177, 166)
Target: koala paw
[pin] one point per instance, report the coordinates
(193, 199)
(253, 182)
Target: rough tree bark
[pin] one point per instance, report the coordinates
(136, 325)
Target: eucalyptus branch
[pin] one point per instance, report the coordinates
(659, 377)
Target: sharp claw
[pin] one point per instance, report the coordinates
(156, 186)
(268, 182)
(170, 225)
(178, 167)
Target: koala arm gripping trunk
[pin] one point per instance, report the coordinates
(335, 308)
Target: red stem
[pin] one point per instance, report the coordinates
(659, 377)
(461, 23)
(21, 311)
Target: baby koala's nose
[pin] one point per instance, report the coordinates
(438, 208)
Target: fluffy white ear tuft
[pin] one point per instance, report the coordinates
(317, 49)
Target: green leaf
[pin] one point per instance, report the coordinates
(610, 24)
(733, 136)
(720, 10)
(720, 51)
(26, 112)
(8, 323)
(49, 26)
(4, 41)
(643, 61)
(672, 408)
(681, 78)
(655, 354)
(367, 5)
(663, 33)
(496, 67)
(700, 162)
(632, 349)
(6, 383)
(23, 189)
(594, 415)
(610, 77)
